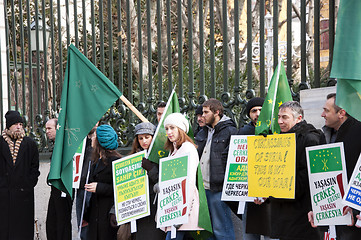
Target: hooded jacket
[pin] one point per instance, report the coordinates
(220, 141)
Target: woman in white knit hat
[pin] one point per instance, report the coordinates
(178, 143)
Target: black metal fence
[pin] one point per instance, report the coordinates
(216, 48)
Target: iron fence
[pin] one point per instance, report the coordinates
(222, 49)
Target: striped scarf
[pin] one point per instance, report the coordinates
(14, 148)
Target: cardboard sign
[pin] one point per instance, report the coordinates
(352, 197)
(131, 190)
(328, 179)
(235, 186)
(271, 165)
(78, 160)
(173, 198)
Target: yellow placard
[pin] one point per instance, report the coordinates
(271, 166)
(131, 189)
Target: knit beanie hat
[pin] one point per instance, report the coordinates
(254, 102)
(144, 128)
(199, 110)
(178, 120)
(107, 137)
(13, 117)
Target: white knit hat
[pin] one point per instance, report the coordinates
(178, 120)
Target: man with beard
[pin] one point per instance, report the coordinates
(289, 216)
(212, 141)
(19, 172)
(58, 219)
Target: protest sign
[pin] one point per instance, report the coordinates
(131, 190)
(271, 165)
(328, 179)
(352, 197)
(235, 186)
(174, 191)
(78, 160)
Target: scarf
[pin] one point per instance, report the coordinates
(14, 148)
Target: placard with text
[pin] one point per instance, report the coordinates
(271, 165)
(131, 190)
(235, 185)
(352, 197)
(173, 198)
(328, 181)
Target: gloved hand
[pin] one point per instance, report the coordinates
(146, 164)
(113, 221)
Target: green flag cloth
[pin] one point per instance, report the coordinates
(347, 57)
(325, 160)
(204, 219)
(175, 168)
(156, 148)
(278, 93)
(87, 94)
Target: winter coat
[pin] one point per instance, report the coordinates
(101, 201)
(289, 216)
(220, 141)
(248, 129)
(258, 216)
(349, 133)
(17, 190)
(193, 199)
(147, 227)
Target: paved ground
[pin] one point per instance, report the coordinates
(236, 224)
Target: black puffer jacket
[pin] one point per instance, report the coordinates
(220, 141)
(289, 217)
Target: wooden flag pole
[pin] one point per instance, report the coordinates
(134, 110)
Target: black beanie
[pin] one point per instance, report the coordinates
(199, 110)
(12, 117)
(254, 102)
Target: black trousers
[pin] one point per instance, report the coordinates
(58, 219)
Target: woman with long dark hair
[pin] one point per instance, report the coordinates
(104, 144)
(146, 227)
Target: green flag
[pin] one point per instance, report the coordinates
(87, 94)
(325, 160)
(174, 168)
(156, 148)
(204, 219)
(278, 93)
(347, 57)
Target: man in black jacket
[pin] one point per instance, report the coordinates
(253, 109)
(341, 127)
(19, 172)
(212, 140)
(289, 216)
(58, 219)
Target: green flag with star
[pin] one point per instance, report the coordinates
(347, 57)
(325, 160)
(278, 93)
(87, 94)
(174, 168)
(156, 149)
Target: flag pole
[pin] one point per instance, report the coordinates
(134, 110)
